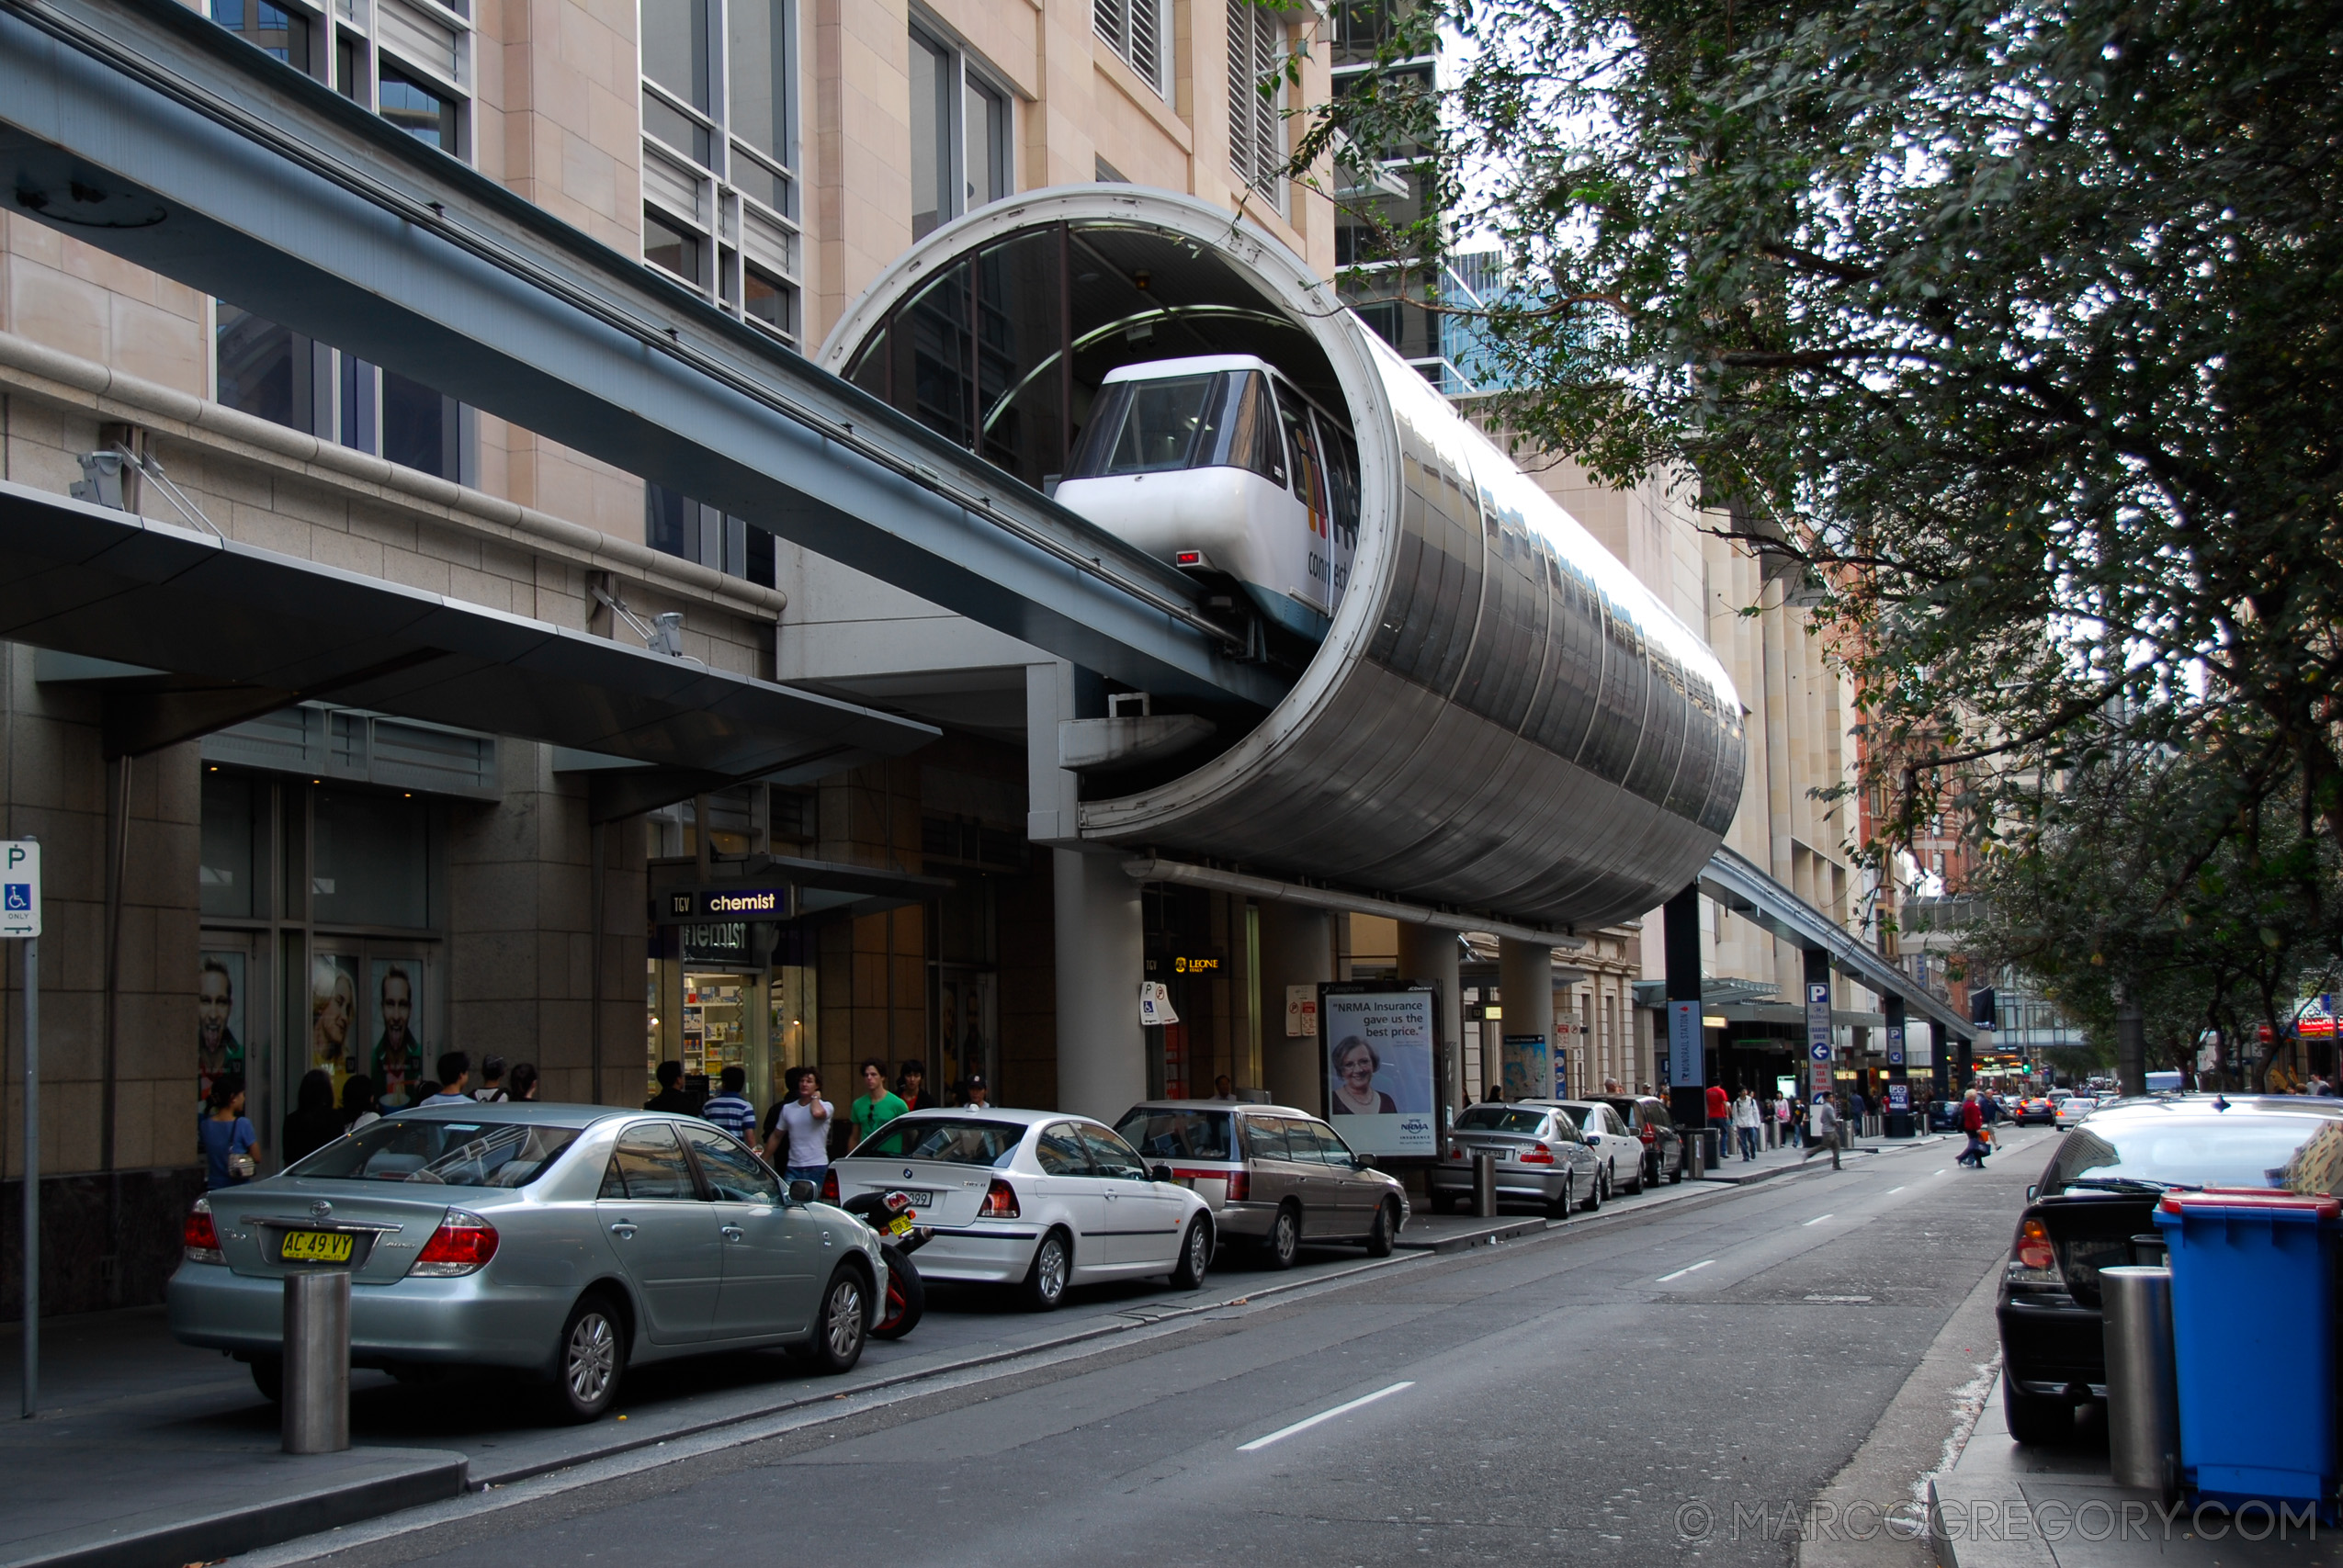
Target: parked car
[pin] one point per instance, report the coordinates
(1038, 1200)
(2034, 1111)
(2094, 1208)
(2073, 1109)
(1271, 1176)
(1541, 1157)
(1648, 1118)
(570, 1240)
(1943, 1115)
(1606, 1133)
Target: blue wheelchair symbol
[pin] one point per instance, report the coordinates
(19, 899)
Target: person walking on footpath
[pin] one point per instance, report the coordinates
(671, 1096)
(313, 1122)
(1720, 1117)
(1745, 1125)
(799, 1143)
(1973, 1123)
(231, 1147)
(876, 1105)
(1785, 1117)
(732, 1110)
(455, 1080)
(1822, 1131)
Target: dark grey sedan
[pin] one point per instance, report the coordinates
(571, 1241)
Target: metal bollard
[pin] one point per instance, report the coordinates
(317, 1361)
(1695, 1155)
(1484, 1187)
(2143, 1392)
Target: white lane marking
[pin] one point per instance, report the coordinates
(1891, 1192)
(1282, 1433)
(1681, 1272)
(1939, 1172)
(1817, 1219)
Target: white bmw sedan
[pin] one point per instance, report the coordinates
(1039, 1199)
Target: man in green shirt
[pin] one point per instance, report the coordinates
(875, 1106)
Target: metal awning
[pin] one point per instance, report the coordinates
(236, 631)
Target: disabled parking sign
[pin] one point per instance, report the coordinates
(19, 888)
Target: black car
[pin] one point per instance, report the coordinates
(1943, 1115)
(1646, 1117)
(2095, 1209)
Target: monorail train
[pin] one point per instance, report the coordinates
(1220, 465)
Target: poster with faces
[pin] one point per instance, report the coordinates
(220, 1021)
(398, 1059)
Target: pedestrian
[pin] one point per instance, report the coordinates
(799, 1143)
(976, 1094)
(876, 1105)
(1822, 1129)
(1497, 1094)
(1720, 1120)
(671, 1096)
(491, 1089)
(1973, 1123)
(231, 1147)
(313, 1122)
(1745, 1125)
(730, 1109)
(523, 1081)
(455, 1079)
(912, 1088)
(358, 1103)
(1785, 1122)
(1223, 1088)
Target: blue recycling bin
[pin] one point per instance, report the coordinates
(2253, 1339)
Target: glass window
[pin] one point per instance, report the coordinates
(265, 370)
(1256, 129)
(371, 859)
(1326, 1140)
(1060, 1149)
(425, 113)
(931, 136)
(760, 110)
(1155, 426)
(669, 124)
(1177, 1134)
(649, 1164)
(960, 139)
(985, 135)
(674, 47)
(1301, 442)
(668, 246)
(224, 876)
(1111, 1155)
(733, 1174)
(1579, 1114)
(952, 1140)
(1254, 439)
(1134, 29)
(1494, 1118)
(280, 33)
(769, 300)
(450, 1154)
(1265, 1138)
(421, 429)
(2232, 1148)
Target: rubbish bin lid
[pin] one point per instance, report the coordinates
(2299, 1207)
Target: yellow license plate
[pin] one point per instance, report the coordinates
(315, 1246)
(900, 1225)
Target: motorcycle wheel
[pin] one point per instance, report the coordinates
(906, 1295)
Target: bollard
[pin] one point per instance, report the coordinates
(1484, 1187)
(317, 1361)
(1695, 1155)
(2143, 1393)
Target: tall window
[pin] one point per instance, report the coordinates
(959, 135)
(719, 153)
(679, 526)
(1134, 30)
(1256, 132)
(409, 61)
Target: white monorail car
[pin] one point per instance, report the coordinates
(1218, 464)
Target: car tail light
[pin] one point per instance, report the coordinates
(829, 1185)
(2032, 1260)
(1241, 1186)
(1648, 1133)
(999, 1201)
(1536, 1153)
(1455, 1151)
(462, 1244)
(200, 1236)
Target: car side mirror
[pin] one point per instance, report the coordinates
(803, 1191)
(2032, 1188)
(1159, 1173)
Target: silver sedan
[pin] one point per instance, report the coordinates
(573, 1241)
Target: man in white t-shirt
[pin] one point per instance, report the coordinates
(801, 1135)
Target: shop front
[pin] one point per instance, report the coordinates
(732, 993)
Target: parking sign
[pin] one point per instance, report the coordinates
(19, 888)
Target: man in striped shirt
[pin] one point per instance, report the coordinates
(730, 1109)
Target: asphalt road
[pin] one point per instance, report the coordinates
(1592, 1395)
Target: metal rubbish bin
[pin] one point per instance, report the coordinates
(317, 1361)
(2142, 1404)
(1484, 1187)
(2253, 1339)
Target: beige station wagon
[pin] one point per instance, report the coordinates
(1276, 1177)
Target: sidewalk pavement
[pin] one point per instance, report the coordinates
(1781, 1161)
(2002, 1505)
(148, 1452)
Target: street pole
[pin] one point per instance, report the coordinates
(32, 1178)
(2131, 1045)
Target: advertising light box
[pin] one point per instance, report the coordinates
(1381, 1069)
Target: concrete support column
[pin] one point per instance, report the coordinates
(1685, 1039)
(1101, 1052)
(1939, 1062)
(1900, 1050)
(1296, 949)
(1525, 986)
(1428, 953)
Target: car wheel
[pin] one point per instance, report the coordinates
(906, 1300)
(1562, 1206)
(1676, 1175)
(1284, 1242)
(1053, 1264)
(268, 1376)
(589, 1359)
(1642, 1181)
(1196, 1256)
(841, 1324)
(2037, 1420)
(1385, 1234)
(1597, 1191)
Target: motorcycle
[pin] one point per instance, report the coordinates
(900, 1235)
